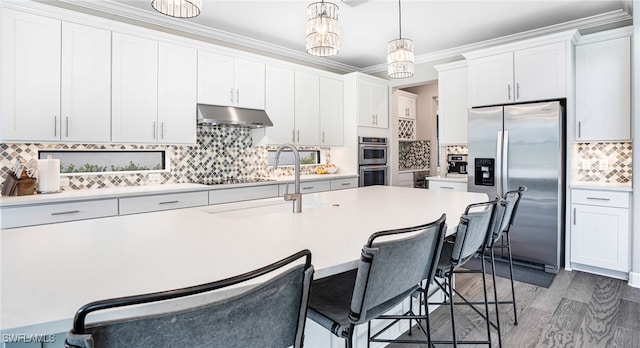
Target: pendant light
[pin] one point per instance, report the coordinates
(178, 8)
(323, 34)
(400, 55)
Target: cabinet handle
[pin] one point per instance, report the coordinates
(298, 136)
(323, 137)
(579, 128)
(67, 125)
(517, 90)
(307, 188)
(154, 130)
(346, 184)
(231, 91)
(293, 135)
(169, 202)
(65, 212)
(161, 130)
(238, 96)
(598, 199)
(574, 216)
(55, 125)
(509, 91)
(447, 187)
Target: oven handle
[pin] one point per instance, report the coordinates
(373, 167)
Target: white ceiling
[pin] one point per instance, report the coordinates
(366, 26)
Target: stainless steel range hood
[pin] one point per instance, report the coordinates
(229, 115)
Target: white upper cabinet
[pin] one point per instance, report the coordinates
(527, 74)
(603, 89)
(307, 109)
(373, 104)
(406, 105)
(30, 77)
(135, 89)
(177, 94)
(331, 112)
(86, 84)
(231, 81)
(453, 103)
(279, 105)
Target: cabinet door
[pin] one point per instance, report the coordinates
(540, 72)
(307, 109)
(135, 89)
(86, 84)
(176, 94)
(491, 80)
(279, 105)
(215, 79)
(406, 107)
(453, 106)
(603, 91)
(249, 84)
(30, 77)
(365, 112)
(380, 105)
(600, 237)
(331, 112)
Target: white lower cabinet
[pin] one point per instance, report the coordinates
(242, 194)
(145, 204)
(306, 187)
(600, 232)
(341, 184)
(41, 214)
(447, 185)
(405, 180)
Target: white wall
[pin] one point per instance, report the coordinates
(634, 275)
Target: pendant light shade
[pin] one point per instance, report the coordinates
(400, 56)
(178, 8)
(323, 32)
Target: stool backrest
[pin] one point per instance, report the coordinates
(392, 265)
(505, 214)
(472, 231)
(270, 314)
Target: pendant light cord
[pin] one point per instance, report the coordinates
(400, 19)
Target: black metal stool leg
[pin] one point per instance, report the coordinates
(513, 289)
(486, 302)
(495, 296)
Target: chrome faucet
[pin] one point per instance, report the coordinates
(297, 196)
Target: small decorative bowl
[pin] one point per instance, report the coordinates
(331, 170)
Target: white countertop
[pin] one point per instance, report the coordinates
(599, 185)
(120, 192)
(49, 271)
(448, 178)
(411, 170)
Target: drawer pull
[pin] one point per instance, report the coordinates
(345, 184)
(169, 202)
(307, 188)
(65, 212)
(574, 216)
(598, 199)
(447, 187)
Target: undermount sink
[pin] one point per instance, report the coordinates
(242, 210)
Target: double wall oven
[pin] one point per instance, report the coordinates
(372, 161)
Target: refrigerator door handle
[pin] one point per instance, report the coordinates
(505, 162)
(498, 168)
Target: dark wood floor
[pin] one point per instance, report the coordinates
(577, 310)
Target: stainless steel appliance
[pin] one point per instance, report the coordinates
(516, 145)
(372, 161)
(457, 164)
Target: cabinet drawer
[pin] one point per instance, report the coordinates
(600, 198)
(242, 194)
(60, 212)
(147, 204)
(447, 185)
(341, 184)
(307, 187)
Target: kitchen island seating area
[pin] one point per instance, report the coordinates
(269, 314)
(393, 263)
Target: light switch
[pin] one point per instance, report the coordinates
(604, 164)
(585, 164)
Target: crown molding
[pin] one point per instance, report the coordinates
(603, 19)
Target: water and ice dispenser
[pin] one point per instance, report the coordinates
(484, 170)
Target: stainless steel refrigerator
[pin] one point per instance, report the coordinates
(514, 145)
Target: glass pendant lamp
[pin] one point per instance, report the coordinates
(178, 8)
(323, 32)
(400, 56)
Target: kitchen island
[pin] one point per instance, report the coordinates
(49, 271)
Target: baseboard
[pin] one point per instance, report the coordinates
(634, 279)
